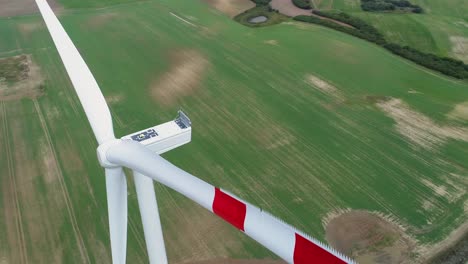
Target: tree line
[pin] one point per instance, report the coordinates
(389, 5)
(363, 30)
(304, 4)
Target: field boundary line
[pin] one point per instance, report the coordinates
(66, 196)
(11, 173)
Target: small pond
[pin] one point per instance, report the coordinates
(258, 19)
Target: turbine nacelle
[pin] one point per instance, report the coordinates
(159, 139)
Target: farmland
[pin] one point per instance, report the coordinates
(298, 119)
(442, 29)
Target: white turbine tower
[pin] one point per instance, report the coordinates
(140, 152)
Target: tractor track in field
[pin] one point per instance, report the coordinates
(138, 238)
(64, 190)
(11, 173)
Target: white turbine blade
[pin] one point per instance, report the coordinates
(116, 186)
(150, 219)
(282, 239)
(86, 87)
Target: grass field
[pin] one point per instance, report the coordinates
(295, 118)
(442, 29)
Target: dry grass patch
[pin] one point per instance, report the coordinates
(100, 20)
(273, 42)
(20, 78)
(183, 78)
(419, 129)
(324, 87)
(231, 7)
(460, 111)
(368, 238)
(460, 47)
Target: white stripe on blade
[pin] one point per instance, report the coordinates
(86, 87)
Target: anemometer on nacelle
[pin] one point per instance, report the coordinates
(166, 136)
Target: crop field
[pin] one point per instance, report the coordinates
(300, 120)
(442, 29)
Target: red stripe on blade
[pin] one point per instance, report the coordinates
(229, 208)
(306, 252)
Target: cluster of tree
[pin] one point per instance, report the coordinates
(304, 4)
(361, 29)
(389, 5)
(444, 65)
(261, 2)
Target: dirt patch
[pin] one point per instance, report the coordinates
(286, 7)
(183, 78)
(238, 261)
(460, 47)
(9, 8)
(20, 78)
(419, 129)
(231, 7)
(368, 238)
(324, 87)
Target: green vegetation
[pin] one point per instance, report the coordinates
(361, 29)
(273, 17)
(390, 5)
(304, 4)
(260, 130)
(442, 29)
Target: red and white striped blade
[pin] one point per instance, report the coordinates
(83, 81)
(279, 237)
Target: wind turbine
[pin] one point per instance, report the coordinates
(140, 152)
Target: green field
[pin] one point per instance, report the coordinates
(261, 129)
(442, 29)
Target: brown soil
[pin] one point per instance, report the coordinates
(183, 78)
(20, 78)
(10, 8)
(237, 261)
(368, 238)
(286, 7)
(231, 7)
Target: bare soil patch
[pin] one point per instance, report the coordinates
(286, 7)
(10, 8)
(183, 78)
(368, 238)
(20, 78)
(419, 129)
(231, 7)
